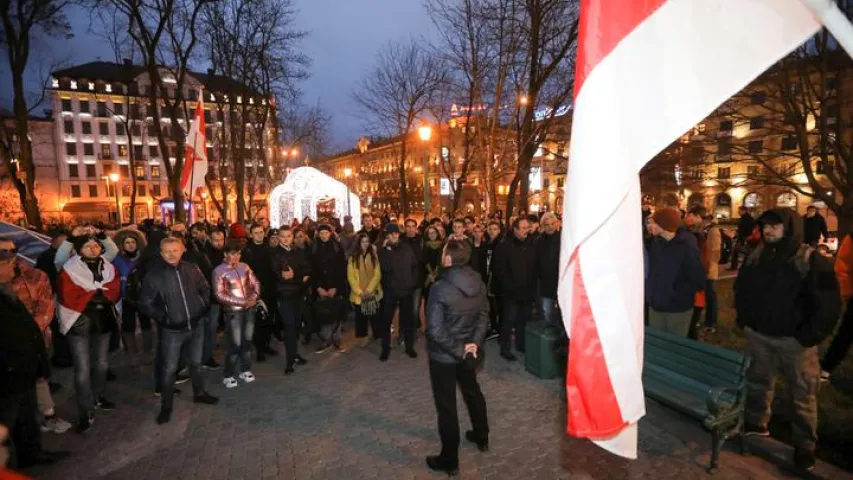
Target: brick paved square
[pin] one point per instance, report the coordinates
(348, 416)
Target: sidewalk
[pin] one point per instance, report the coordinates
(350, 416)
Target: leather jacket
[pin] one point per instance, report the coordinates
(237, 287)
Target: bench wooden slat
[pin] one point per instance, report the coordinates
(693, 344)
(706, 372)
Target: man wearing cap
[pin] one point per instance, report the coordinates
(400, 270)
(787, 300)
(675, 273)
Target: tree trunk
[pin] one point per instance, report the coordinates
(845, 218)
(26, 164)
(510, 199)
(402, 170)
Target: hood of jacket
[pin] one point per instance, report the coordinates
(466, 280)
(793, 224)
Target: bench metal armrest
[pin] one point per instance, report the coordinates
(716, 405)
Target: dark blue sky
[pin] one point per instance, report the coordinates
(344, 37)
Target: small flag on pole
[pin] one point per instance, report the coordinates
(195, 154)
(647, 71)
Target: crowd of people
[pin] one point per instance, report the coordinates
(161, 294)
(787, 296)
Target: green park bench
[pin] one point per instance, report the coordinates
(705, 382)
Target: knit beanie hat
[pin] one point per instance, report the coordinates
(668, 219)
(237, 231)
(324, 227)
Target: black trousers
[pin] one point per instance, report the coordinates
(444, 378)
(841, 343)
(362, 321)
(263, 331)
(407, 323)
(18, 413)
(495, 307)
(290, 311)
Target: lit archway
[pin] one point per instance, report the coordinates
(753, 202)
(787, 200)
(306, 191)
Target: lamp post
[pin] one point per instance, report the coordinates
(347, 174)
(115, 179)
(425, 132)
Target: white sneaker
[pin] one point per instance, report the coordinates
(229, 382)
(55, 424)
(247, 377)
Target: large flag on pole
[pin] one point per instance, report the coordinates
(647, 71)
(195, 154)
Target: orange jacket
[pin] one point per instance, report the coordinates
(844, 267)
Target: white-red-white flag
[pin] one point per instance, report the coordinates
(647, 71)
(195, 154)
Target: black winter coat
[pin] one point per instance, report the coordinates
(328, 266)
(548, 264)
(400, 269)
(787, 290)
(177, 297)
(813, 228)
(515, 264)
(295, 258)
(417, 245)
(23, 358)
(259, 259)
(457, 313)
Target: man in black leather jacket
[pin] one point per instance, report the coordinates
(176, 294)
(457, 321)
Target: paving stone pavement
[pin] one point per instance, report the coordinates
(349, 416)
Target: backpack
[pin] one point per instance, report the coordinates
(726, 248)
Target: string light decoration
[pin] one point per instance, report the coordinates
(303, 190)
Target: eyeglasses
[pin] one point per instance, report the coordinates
(7, 253)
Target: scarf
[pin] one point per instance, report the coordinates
(77, 285)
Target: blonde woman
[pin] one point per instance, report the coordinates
(365, 275)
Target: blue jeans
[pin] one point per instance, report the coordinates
(173, 345)
(547, 306)
(240, 326)
(710, 303)
(516, 313)
(210, 331)
(290, 311)
(89, 383)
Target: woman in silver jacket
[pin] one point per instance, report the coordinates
(238, 291)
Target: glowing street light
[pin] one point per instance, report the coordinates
(425, 133)
(523, 100)
(114, 177)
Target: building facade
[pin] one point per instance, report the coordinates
(102, 128)
(433, 166)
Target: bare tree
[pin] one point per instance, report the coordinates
(23, 21)
(306, 128)
(253, 43)
(542, 75)
(397, 92)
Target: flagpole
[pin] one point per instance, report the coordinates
(835, 21)
(195, 142)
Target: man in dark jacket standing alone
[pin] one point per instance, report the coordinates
(814, 227)
(177, 295)
(457, 321)
(515, 263)
(400, 270)
(787, 299)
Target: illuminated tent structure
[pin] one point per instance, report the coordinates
(307, 189)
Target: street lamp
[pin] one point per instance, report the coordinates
(347, 174)
(114, 177)
(425, 132)
(523, 100)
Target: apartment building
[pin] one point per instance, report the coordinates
(105, 142)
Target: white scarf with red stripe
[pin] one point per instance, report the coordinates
(76, 287)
